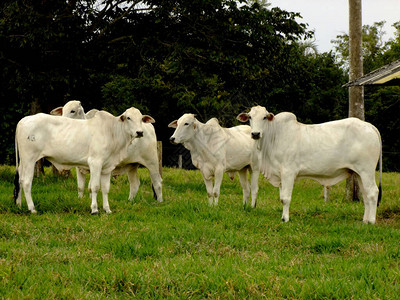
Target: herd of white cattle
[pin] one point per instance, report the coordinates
(279, 147)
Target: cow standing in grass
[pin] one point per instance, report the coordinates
(216, 150)
(141, 151)
(328, 153)
(98, 144)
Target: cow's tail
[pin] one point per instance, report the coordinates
(16, 178)
(380, 171)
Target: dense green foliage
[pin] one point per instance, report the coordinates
(213, 58)
(209, 57)
(183, 248)
(382, 104)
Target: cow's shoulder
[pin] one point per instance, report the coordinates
(241, 128)
(212, 128)
(103, 114)
(213, 122)
(286, 117)
(102, 118)
(91, 113)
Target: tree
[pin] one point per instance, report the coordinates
(212, 57)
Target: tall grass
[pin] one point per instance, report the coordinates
(183, 248)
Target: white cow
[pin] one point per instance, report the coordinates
(216, 150)
(141, 151)
(98, 144)
(328, 153)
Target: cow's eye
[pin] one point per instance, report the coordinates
(265, 118)
(128, 118)
(249, 117)
(186, 124)
(72, 111)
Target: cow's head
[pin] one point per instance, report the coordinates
(258, 116)
(72, 109)
(185, 128)
(133, 121)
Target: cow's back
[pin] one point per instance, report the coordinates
(43, 135)
(341, 142)
(325, 152)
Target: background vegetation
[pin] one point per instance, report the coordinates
(210, 57)
(183, 248)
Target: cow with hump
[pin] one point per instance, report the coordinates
(215, 150)
(328, 153)
(98, 144)
(141, 151)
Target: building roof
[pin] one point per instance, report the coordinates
(386, 75)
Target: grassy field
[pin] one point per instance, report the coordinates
(182, 248)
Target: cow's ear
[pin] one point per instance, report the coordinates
(122, 118)
(243, 117)
(148, 119)
(173, 124)
(57, 111)
(270, 116)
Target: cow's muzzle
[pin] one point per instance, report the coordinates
(255, 135)
(139, 134)
(172, 140)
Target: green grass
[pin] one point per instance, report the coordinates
(182, 248)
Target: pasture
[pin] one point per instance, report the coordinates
(183, 248)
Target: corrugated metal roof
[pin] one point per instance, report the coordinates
(386, 75)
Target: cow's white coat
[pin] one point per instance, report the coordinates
(98, 144)
(215, 150)
(328, 153)
(141, 151)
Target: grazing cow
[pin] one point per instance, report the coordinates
(328, 153)
(141, 151)
(99, 144)
(216, 150)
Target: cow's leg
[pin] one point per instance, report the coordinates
(286, 194)
(244, 182)
(134, 181)
(25, 181)
(80, 178)
(209, 187)
(152, 164)
(254, 186)
(370, 196)
(218, 176)
(326, 193)
(94, 186)
(157, 185)
(105, 189)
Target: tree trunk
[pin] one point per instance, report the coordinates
(356, 93)
(35, 108)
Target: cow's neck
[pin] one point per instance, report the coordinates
(198, 145)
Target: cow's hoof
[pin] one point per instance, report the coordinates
(95, 213)
(33, 211)
(108, 212)
(368, 222)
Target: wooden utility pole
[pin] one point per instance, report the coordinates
(356, 93)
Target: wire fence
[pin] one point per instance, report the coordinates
(179, 157)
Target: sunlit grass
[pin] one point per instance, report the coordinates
(183, 248)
